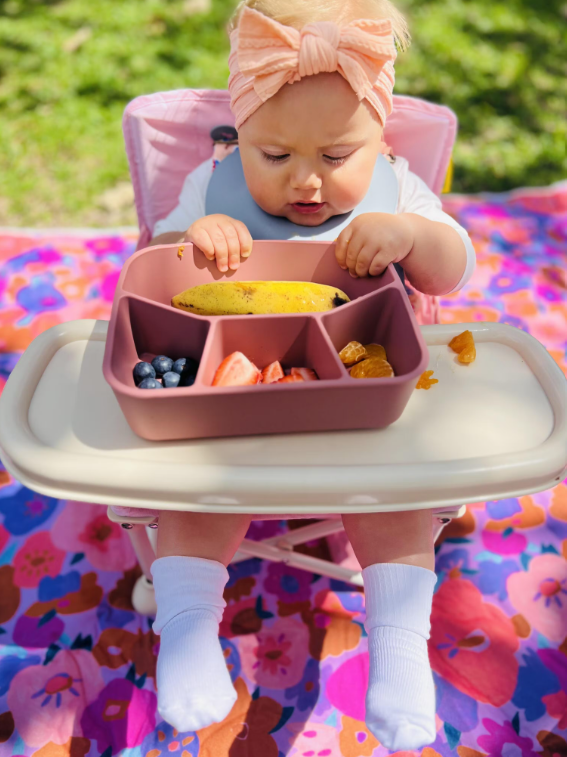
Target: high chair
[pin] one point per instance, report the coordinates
(492, 430)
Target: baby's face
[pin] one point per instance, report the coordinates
(308, 153)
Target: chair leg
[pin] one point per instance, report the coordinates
(142, 538)
(440, 520)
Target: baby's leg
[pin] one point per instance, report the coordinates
(194, 686)
(396, 553)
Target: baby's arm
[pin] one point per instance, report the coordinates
(438, 257)
(219, 237)
(434, 250)
(442, 259)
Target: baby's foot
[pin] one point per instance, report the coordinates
(194, 686)
(400, 702)
(193, 682)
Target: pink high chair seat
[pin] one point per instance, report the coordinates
(167, 135)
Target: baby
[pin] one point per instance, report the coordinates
(311, 88)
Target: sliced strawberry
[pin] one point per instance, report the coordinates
(236, 370)
(290, 379)
(272, 373)
(307, 374)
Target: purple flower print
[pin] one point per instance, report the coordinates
(307, 690)
(121, 717)
(287, 583)
(500, 735)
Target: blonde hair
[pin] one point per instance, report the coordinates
(297, 13)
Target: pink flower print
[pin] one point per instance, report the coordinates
(315, 740)
(509, 542)
(35, 559)
(347, 686)
(556, 705)
(84, 527)
(540, 595)
(108, 286)
(272, 654)
(4, 536)
(551, 589)
(473, 643)
(47, 701)
(499, 736)
(276, 657)
(107, 245)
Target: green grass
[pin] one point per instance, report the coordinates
(500, 65)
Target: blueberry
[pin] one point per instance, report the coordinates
(149, 383)
(187, 380)
(186, 366)
(142, 371)
(171, 379)
(162, 364)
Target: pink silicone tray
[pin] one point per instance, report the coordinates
(144, 324)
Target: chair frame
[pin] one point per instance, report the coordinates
(280, 548)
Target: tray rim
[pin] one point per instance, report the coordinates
(313, 489)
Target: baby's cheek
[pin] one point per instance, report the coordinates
(346, 194)
(260, 188)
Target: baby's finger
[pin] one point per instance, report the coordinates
(356, 243)
(342, 245)
(200, 237)
(233, 245)
(245, 239)
(378, 264)
(221, 248)
(364, 259)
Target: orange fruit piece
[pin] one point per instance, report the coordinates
(468, 355)
(375, 350)
(460, 342)
(372, 367)
(352, 353)
(425, 380)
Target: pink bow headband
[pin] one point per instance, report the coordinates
(265, 55)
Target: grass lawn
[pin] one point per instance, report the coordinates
(68, 68)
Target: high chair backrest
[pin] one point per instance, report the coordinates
(167, 135)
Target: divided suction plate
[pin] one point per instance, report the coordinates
(144, 324)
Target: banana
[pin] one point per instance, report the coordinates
(259, 297)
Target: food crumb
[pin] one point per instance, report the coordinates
(464, 346)
(425, 380)
(180, 252)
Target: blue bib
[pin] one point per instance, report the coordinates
(228, 194)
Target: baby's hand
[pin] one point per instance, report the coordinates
(372, 241)
(222, 238)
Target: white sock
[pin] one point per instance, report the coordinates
(193, 682)
(400, 702)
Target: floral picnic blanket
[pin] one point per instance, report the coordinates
(77, 664)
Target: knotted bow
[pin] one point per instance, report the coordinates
(265, 55)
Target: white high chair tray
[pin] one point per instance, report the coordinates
(494, 429)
